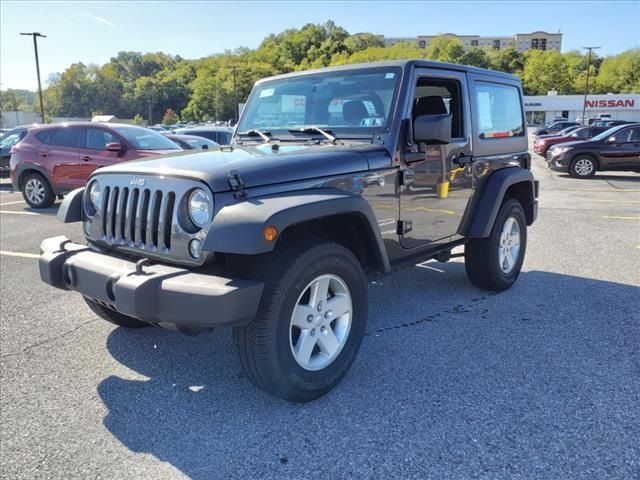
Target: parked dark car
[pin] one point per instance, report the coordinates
(612, 123)
(561, 133)
(7, 141)
(554, 127)
(544, 142)
(617, 148)
(220, 135)
(191, 142)
(277, 234)
(55, 159)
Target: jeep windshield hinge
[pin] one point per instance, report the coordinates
(404, 227)
(236, 184)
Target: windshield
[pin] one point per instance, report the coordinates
(145, 139)
(9, 139)
(355, 102)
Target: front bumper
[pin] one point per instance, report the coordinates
(557, 162)
(172, 297)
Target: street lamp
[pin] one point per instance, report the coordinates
(35, 48)
(586, 84)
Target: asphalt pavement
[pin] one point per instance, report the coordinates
(541, 381)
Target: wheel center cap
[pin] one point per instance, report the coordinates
(318, 320)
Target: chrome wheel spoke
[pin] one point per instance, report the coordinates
(304, 347)
(328, 342)
(339, 305)
(509, 245)
(301, 315)
(319, 291)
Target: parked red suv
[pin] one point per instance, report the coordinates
(55, 159)
(542, 144)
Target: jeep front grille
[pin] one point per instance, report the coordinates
(148, 219)
(139, 217)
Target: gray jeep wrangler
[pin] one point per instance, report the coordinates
(332, 176)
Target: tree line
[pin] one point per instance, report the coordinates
(158, 86)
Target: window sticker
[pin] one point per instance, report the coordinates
(390, 75)
(267, 92)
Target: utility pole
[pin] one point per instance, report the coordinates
(586, 85)
(149, 100)
(235, 95)
(35, 36)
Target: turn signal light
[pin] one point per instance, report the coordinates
(270, 233)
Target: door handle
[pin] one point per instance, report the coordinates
(86, 158)
(43, 154)
(463, 159)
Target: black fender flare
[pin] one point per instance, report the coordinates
(238, 228)
(483, 212)
(71, 208)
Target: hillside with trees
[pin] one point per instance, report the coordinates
(147, 85)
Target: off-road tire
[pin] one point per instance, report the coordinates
(114, 317)
(264, 344)
(575, 172)
(481, 254)
(48, 197)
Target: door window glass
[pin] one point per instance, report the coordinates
(499, 111)
(66, 137)
(97, 139)
(437, 96)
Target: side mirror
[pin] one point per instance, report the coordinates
(114, 147)
(432, 129)
(611, 140)
(205, 147)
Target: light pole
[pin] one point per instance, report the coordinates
(35, 48)
(235, 95)
(586, 85)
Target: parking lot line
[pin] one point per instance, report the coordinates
(11, 203)
(620, 217)
(19, 254)
(610, 201)
(18, 213)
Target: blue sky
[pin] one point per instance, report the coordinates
(94, 31)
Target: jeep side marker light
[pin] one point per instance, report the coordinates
(270, 233)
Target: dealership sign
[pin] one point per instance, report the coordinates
(609, 103)
(575, 103)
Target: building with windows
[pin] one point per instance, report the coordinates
(520, 41)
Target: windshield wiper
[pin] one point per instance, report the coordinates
(256, 133)
(314, 129)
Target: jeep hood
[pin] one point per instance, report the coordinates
(257, 165)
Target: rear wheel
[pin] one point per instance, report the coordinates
(37, 192)
(309, 324)
(494, 263)
(114, 317)
(582, 167)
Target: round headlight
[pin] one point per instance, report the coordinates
(199, 207)
(95, 195)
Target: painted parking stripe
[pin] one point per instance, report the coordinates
(610, 201)
(10, 212)
(620, 217)
(19, 254)
(11, 203)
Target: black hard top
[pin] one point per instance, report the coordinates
(404, 64)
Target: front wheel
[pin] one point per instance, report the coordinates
(310, 322)
(494, 263)
(37, 192)
(582, 167)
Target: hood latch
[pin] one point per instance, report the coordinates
(236, 184)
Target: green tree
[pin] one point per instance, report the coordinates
(545, 71)
(445, 49)
(620, 73)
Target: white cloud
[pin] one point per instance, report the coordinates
(101, 20)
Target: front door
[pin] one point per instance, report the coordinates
(63, 153)
(438, 179)
(624, 151)
(94, 153)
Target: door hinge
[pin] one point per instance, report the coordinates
(236, 184)
(404, 227)
(405, 177)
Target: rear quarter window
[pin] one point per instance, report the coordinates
(499, 111)
(44, 136)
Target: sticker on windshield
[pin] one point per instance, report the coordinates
(372, 122)
(390, 75)
(267, 92)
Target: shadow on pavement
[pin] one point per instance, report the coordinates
(540, 381)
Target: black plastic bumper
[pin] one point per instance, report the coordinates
(156, 293)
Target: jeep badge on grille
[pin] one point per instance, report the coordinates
(137, 182)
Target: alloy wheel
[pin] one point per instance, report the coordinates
(320, 322)
(34, 191)
(509, 247)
